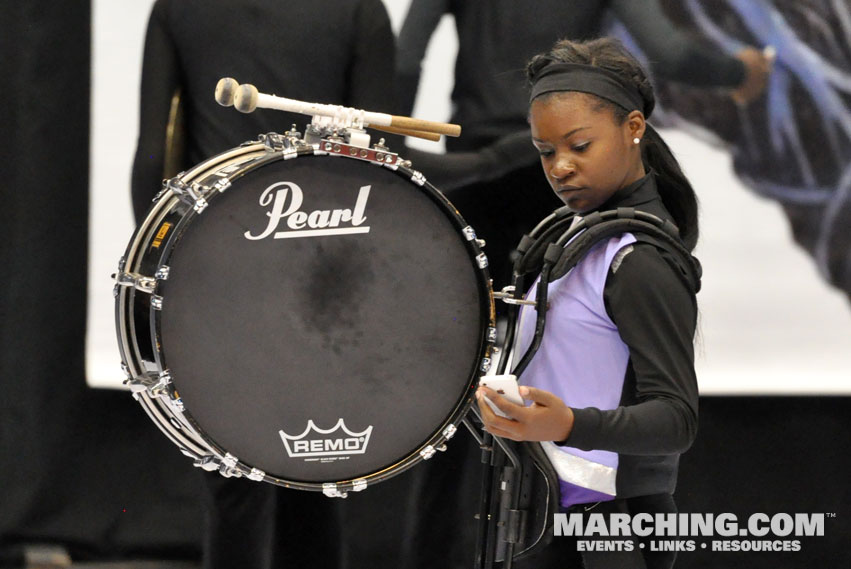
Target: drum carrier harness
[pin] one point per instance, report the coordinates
(512, 523)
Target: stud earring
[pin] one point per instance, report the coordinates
(636, 140)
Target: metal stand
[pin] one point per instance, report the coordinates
(500, 522)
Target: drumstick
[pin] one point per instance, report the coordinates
(246, 99)
(432, 136)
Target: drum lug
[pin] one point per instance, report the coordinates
(330, 490)
(469, 233)
(491, 335)
(449, 432)
(157, 302)
(482, 260)
(162, 273)
(418, 178)
(256, 475)
(221, 185)
(427, 452)
(486, 365)
(359, 485)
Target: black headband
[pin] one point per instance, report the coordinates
(586, 79)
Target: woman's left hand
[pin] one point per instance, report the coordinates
(547, 419)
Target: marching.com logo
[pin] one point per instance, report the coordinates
(286, 198)
(325, 442)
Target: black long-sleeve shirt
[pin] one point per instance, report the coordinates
(496, 38)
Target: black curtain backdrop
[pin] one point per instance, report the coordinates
(77, 466)
(86, 469)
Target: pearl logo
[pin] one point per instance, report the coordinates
(286, 199)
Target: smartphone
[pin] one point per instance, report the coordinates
(505, 385)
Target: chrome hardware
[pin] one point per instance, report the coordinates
(293, 132)
(486, 364)
(162, 273)
(161, 387)
(137, 281)
(427, 452)
(507, 296)
(126, 369)
(491, 334)
(200, 205)
(273, 142)
(122, 262)
(336, 146)
(312, 134)
(208, 462)
(442, 448)
(227, 468)
(359, 485)
(157, 302)
(221, 185)
(177, 403)
(481, 243)
(330, 490)
(381, 145)
(469, 233)
(256, 474)
(418, 178)
(482, 260)
(193, 194)
(449, 432)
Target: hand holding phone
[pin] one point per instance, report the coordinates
(506, 386)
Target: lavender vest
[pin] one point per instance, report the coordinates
(583, 360)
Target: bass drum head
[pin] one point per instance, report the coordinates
(318, 353)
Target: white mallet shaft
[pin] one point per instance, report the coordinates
(246, 99)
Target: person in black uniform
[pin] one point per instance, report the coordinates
(613, 385)
(489, 97)
(321, 51)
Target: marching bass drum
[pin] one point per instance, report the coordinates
(313, 316)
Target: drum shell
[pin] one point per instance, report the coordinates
(157, 243)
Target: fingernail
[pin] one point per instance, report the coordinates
(524, 391)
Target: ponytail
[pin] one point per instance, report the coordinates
(674, 188)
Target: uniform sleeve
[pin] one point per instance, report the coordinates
(671, 53)
(655, 312)
(420, 22)
(160, 81)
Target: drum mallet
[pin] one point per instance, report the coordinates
(246, 98)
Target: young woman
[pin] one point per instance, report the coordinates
(612, 387)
